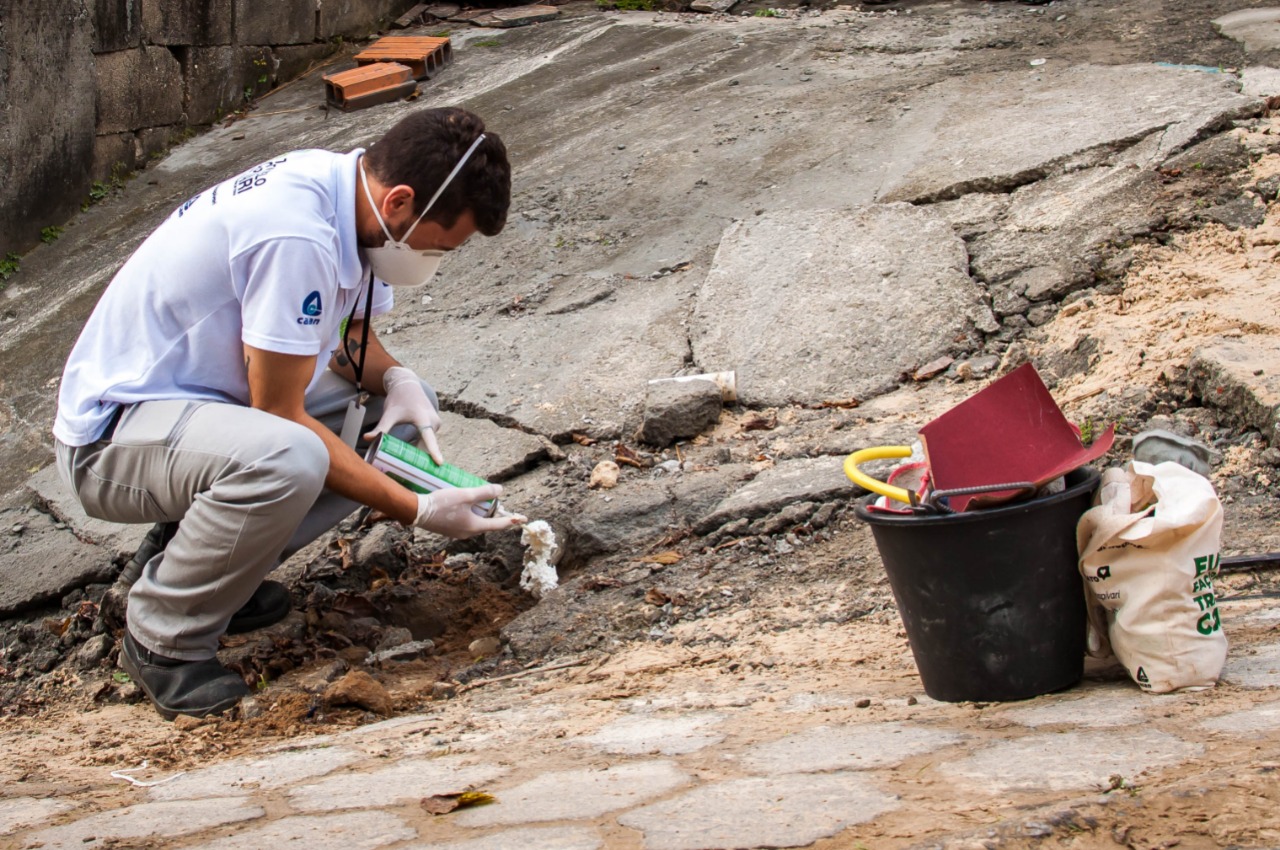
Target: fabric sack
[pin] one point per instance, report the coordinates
(1148, 555)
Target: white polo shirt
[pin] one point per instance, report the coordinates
(268, 258)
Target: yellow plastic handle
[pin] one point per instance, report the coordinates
(857, 476)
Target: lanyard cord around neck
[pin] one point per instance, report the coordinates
(357, 363)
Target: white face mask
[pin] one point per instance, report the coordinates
(397, 262)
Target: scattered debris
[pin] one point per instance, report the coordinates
(360, 689)
(539, 575)
(604, 476)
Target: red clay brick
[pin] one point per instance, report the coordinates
(424, 54)
(368, 85)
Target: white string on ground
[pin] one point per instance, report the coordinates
(124, 774)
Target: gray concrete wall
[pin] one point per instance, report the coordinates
(47, 111)
(91, 89)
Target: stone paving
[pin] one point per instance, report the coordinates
(671, 771)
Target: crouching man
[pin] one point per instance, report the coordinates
(209, 388)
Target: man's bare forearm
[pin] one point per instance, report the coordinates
(376, 360)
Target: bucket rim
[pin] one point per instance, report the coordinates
(1087, 480)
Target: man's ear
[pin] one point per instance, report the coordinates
(397, 202)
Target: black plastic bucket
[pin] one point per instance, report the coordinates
(991, 599)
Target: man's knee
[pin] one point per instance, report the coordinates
(297, 464)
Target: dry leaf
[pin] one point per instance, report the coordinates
(838, 404)
(656, 597)
(665, 558)
(583, 439)
(759, 422)
(442, 804)
(622, 454)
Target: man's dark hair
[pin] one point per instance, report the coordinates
(423, 148)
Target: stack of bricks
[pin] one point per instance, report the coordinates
(387, 70)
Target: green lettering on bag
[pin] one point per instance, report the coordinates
(1209, 623)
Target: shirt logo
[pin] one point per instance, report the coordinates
(312, 308)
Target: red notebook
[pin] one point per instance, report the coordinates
(1011, 431)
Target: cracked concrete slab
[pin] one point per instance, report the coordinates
(585, 370)
(784, 811)
(48, 490)
(1039, 123)
(1260, 81)
(816, 479)
(1242, 378)
(1256, 29)
(817, 305)
(486, 449)
(43, 561)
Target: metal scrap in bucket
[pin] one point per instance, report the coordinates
(1011, 438)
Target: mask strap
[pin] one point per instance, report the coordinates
(445, 185)
(364, 181)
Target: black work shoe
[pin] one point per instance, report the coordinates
(269, 604)
(196, 688)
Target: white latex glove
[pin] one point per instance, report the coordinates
(408, 402)
(448, 512)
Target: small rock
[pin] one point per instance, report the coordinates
(1035, 829)
(984, 365)
(402, 652)
(93, 651)
(1270, 456)
(444, 690)
(360, 689)
(933, 368)
(1041, 313)
(249, 708)
(44, 660)
(1237, 214)
(130, 692)
(669, 467)
(394, 636)
(335, 670)
(862, 703)
(1268, 187)
(604, 476)
(185, 722)
(912, 701)
(485, 646)
(676, 410)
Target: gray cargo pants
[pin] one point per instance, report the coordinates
(247, 486)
